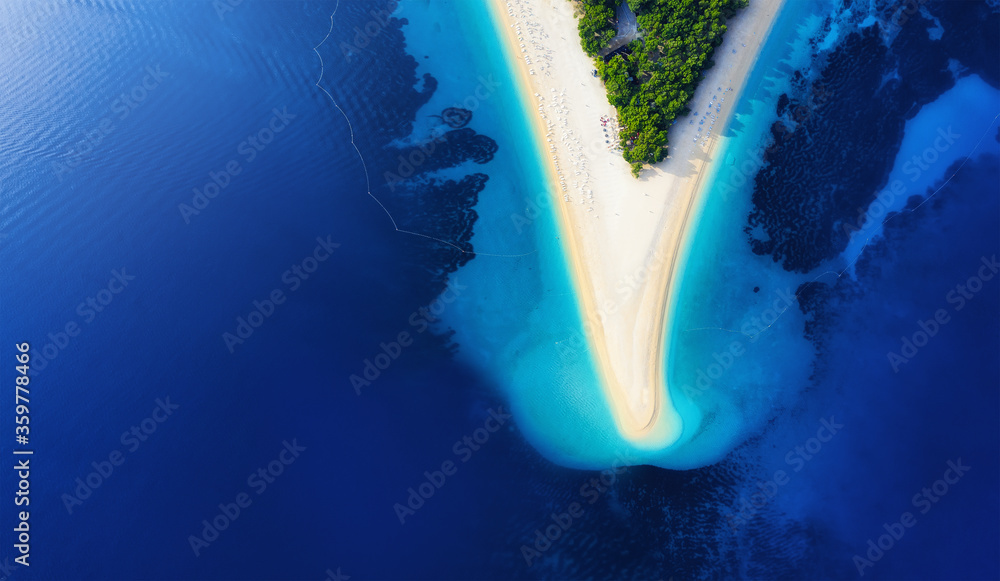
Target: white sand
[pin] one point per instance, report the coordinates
(623, 235)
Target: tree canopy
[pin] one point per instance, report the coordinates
(597, 24)
(651, 81)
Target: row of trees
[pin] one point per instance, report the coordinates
(597, 24)
(651, 82)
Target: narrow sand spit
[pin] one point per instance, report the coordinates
(622, 235)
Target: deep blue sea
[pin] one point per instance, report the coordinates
(240, 256)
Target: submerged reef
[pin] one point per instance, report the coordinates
(384, 98)
(839, 131)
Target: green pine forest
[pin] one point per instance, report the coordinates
(651, 82)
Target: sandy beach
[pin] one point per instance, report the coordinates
(623, 235)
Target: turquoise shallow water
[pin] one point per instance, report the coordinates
(519, 318)
(519, 312)
(516, 320)
(753, 390)
(738, 356)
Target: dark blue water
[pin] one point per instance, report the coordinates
(199, 86)
(902, 428)
(216, 82)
